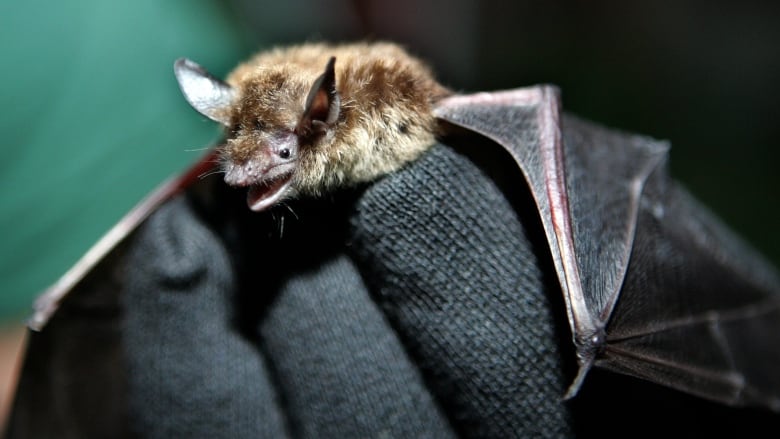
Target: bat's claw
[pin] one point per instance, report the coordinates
(575, 386)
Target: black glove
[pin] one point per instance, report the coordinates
(415, 309)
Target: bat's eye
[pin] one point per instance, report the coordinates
(259, 125)
(284, 153)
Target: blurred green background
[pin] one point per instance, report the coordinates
(92, 117)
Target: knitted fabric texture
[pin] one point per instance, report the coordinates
(427, 317)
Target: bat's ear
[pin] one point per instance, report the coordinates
(208, 95)
(322, 104)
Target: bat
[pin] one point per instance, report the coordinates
(654, 285)
(291, 132)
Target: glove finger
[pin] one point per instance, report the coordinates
(339, 366)
(451, 263)
(191, 374)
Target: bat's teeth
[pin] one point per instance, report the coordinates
(262, 196)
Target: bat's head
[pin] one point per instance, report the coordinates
(272, 119)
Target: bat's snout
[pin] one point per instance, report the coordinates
(267, 182)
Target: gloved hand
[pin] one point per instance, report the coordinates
(418, 308)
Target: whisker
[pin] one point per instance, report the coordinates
(197, 149)
(288, 207)
(278, 220)
(210, 173)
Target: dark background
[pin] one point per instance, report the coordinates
(93, 119)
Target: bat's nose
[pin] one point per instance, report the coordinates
(241, 175)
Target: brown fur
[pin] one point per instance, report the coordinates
(385, 118)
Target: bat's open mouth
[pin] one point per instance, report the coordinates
(262, 196)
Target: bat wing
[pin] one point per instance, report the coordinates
(654, 286)
(48, 302)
